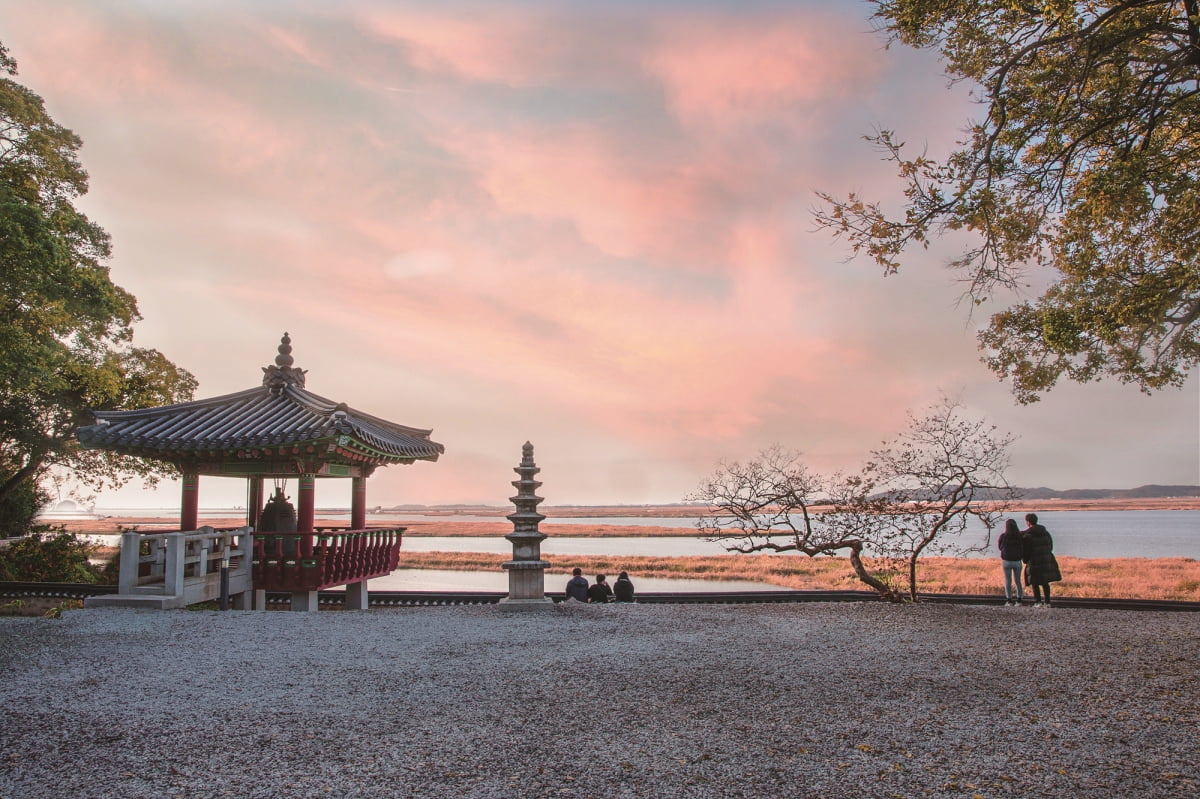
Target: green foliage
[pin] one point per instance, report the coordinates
(18, 508)
(65, 327)
(56, 612)
(109, 571)
(1085, 164)
(50, 555)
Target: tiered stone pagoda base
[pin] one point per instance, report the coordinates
(526, 585)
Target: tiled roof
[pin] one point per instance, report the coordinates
(279, 419)
(258, 418)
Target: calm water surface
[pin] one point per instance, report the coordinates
(438, 580)
(1083, 534)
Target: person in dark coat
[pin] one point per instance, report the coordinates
(600, 590)
(623, 588)
(1041, 567)
(1012, 553)
(577, 586)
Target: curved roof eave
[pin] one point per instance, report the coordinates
(279, 413)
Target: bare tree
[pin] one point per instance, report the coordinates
(773, 503)
(916, 496)
(943, 471)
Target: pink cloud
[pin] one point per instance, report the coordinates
(736, 72)
(497, 45)
(621, 205)
(589, 228)
(630, 359)
(624, 355)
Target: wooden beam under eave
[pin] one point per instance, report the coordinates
(288, 468)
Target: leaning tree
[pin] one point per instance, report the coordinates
(1084, 168)
(774, 503)
(917, 496)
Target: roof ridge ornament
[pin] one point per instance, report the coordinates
(281, 374)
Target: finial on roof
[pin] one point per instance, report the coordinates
(284, 358)
(282, 373)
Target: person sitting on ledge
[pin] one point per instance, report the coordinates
(599, 592)
(623, 588)
(577, 586)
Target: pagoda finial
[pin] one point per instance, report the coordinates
(284, 358)
(282, 373)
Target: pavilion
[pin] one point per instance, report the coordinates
(279, 430)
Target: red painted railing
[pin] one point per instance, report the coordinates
(324, 558)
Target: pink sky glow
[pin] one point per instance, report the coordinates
(584, 225)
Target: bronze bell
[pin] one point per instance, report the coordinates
(278, 515)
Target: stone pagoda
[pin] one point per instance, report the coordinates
(526, 570)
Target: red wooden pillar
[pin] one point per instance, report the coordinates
(306, 511)
(254, 500)
(189, 506)
(358, 503)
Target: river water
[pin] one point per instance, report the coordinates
(1084, 534)
(442, 580)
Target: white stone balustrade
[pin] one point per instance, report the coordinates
(177, 569)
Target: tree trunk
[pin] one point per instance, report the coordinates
(912, 561)
(20, 476)
(890, 594)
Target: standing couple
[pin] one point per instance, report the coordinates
(1032, 548)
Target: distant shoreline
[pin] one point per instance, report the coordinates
(444, 524)
(677, 511)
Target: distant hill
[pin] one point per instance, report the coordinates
(1143, 492)
(1093, 494)
(677, 508)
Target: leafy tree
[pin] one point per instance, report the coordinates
(52, 555)
(1085, 164)
(65, 328)
(19, 506)
(915, 496)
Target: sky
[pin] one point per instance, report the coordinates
(584, 225)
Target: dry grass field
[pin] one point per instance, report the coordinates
(1120, 578)
(444, 523)
(1116, 578)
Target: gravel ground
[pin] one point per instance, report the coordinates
(796, 700)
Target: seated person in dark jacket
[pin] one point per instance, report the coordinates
(623, 588)
(577, 587)
(599, 592)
